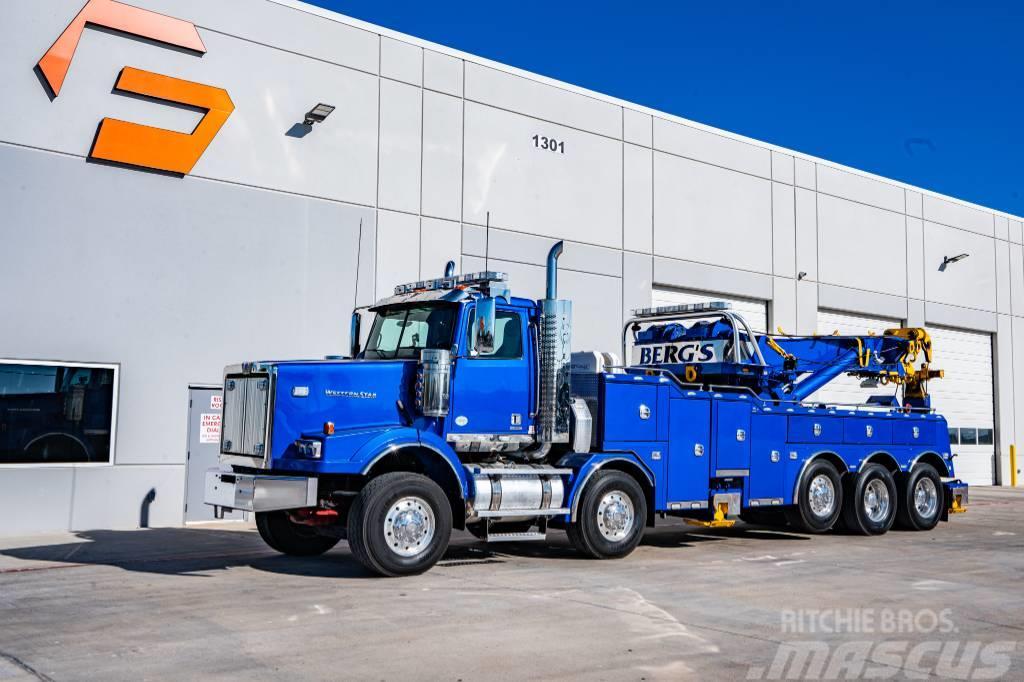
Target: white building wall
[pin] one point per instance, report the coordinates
(254, 253)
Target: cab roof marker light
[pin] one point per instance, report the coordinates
(711, 306)
(451, 282)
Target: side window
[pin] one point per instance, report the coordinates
(508, 336)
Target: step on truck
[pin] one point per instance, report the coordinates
(466, 409)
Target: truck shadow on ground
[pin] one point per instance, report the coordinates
(178, 551)
(198, 551)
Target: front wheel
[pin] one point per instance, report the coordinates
(399, 524)
(281, 534)
(611, 516)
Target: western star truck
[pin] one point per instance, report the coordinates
(467, 409)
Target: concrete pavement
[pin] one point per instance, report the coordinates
(744, 603)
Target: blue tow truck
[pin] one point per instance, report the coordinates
(467, 409)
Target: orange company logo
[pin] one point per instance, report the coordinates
(132, 143)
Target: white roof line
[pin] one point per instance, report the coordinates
(443, 49)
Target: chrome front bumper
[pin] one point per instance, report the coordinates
(259, 493)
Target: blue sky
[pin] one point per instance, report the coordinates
(931, 93)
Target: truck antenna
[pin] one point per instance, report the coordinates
(359, 252)
(487, 241)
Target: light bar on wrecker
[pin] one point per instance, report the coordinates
(711, 306)
(468, 279)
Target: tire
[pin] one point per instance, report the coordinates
(611, 516)
(294, 539)
(871, 501)
(399, 524)
(820, 498)
(914, 511)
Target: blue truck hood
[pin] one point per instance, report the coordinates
(356, 395)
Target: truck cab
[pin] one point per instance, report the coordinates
(465, 408)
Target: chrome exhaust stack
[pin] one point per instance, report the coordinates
(555, 340)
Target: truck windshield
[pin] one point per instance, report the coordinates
(400, 333)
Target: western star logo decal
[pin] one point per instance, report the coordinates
(132, 143)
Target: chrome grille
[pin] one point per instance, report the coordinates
(246, 405)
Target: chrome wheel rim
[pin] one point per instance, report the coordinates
(615, 514)
(926, 497)
(409, 526)
(876, 500)
(822, 496)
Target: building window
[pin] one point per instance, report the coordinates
(985, 437)
(56, 413)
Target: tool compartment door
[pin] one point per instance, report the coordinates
(732, 436)
(689, 450)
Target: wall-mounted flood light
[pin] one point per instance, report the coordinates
(954, 259)
(318, 113)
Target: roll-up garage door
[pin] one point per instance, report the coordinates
(847, 389)
(755, 312)
(965, 398)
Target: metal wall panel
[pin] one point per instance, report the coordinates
(783, 230)
(398, 250)
(401, 61)
(638, 197)
(267, 23)
(637, 127)
(945, 212)
(804, 174)
(782, 168)
(147, 264)
(914, 204)
(442, 156)
(971, 282)
(711, 215)
(125, 497)
(915, 257)
(574, 195)
(861, 189)
(701, 145)
(852, 234)
(254, 146)
(401, 128)
(1002, 271)
(542, 101)
(806, 218)
(1016, 279)
(442, 72)
(440, 242)
(35, 500)
(531, 249)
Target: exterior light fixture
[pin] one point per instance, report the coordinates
(800, 275)
(954, 259)
(318, 113)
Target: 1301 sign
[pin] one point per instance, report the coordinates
(549, 144)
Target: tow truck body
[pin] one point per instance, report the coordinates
(467, 409)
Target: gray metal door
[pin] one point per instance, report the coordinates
(204, 414)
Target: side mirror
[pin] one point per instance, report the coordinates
(483, 326)
(353, 333)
